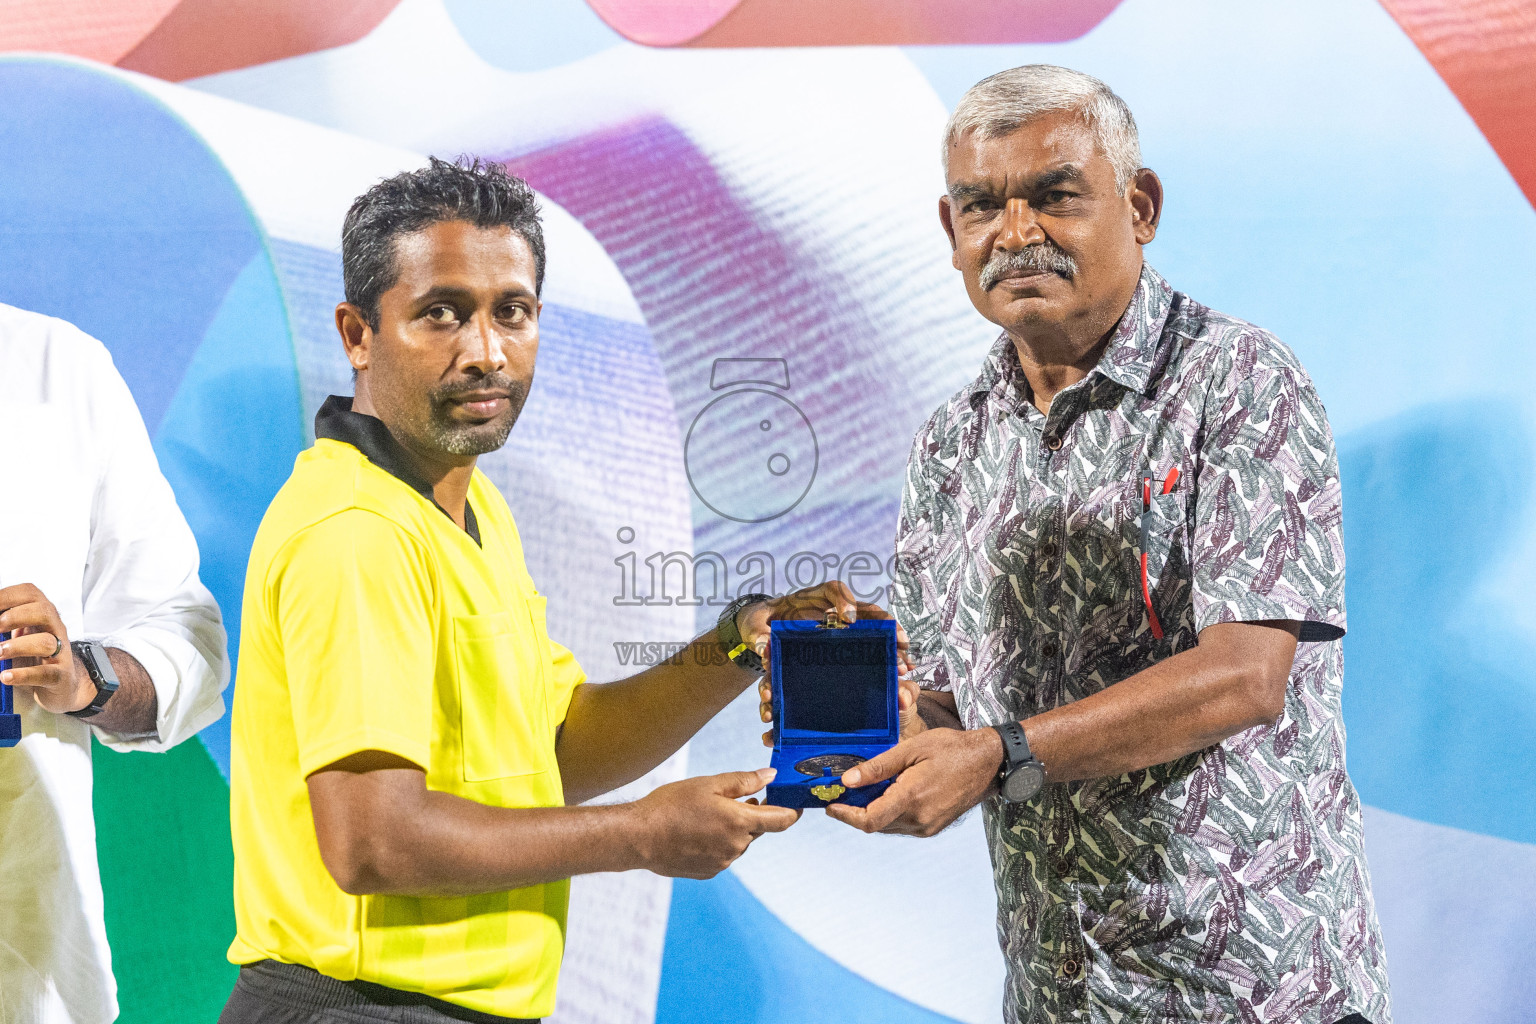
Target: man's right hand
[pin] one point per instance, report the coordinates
(39, 645)
(697, 827)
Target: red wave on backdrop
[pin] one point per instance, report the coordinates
(725, 23)
(86, 28)
(179, 40)
(1485, 50)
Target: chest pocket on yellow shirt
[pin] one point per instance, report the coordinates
(502, 666)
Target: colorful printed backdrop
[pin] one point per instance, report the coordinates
(749, 310)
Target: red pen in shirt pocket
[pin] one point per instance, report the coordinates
(1146, 541)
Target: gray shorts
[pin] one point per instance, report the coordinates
(271, 992)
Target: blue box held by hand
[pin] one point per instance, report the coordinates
(10, 721)
(834, 703)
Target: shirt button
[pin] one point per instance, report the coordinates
(1070, 968)
(1048, 549)
(1049, 649)
(1061, 866)
(1053, 443)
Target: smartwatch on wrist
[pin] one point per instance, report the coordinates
(729, 634)
(1022, 774)
(99, 667)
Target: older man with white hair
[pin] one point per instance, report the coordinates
(1121, 568)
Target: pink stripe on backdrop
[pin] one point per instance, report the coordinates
(179, 40)
(203, 37)
(728, 23)
(84, 28)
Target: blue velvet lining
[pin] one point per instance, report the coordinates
(834, 692)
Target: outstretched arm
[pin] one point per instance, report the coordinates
(381, 830)
(1232, 680)
(616, 732)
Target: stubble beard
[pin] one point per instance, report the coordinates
(470, 439)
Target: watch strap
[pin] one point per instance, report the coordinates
(93, 656)
(1022, 774)
(729, 634)
(1015, 746)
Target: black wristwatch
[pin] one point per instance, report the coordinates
(99, 667)
(729, 634)
(1022, 774)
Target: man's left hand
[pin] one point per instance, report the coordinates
(940, 774)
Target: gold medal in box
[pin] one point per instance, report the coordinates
(834, 703)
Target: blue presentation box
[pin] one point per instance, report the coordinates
(834, 704)
(10, 721)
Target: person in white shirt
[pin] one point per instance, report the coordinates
(96, 561)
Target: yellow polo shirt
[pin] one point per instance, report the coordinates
(372, 622)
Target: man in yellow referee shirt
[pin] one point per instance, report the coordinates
(406, 736)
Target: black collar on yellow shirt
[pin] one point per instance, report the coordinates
(368, 434)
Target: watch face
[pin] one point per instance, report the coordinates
(1023, 782)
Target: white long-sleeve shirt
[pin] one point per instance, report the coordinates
(87, 517)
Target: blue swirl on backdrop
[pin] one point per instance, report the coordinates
(1440, 705)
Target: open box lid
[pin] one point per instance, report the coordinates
(834, 686)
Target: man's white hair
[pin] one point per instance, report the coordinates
(1010, 99)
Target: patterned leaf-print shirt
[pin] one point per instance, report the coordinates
(1231, 884)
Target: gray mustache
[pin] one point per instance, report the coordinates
(1044, 258)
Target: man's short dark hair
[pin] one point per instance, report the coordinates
(482, 193)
